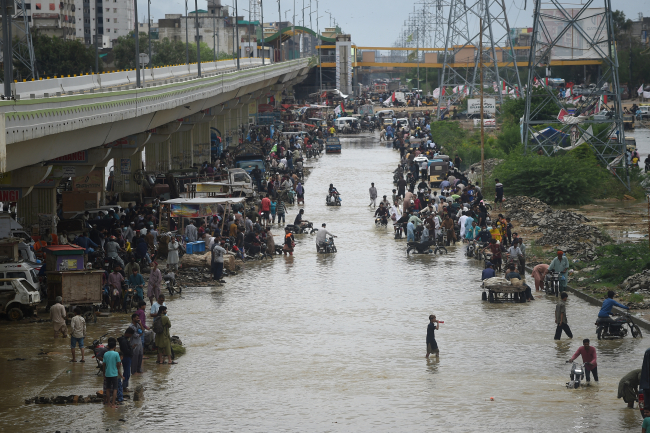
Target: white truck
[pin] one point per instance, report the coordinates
(18, 297)
(9, 228)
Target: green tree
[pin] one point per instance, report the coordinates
(168, 52)
(124, 50)
(58, 57)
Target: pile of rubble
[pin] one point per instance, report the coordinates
(522, 208)
(637, 283)
(490, 164)
(560, 229)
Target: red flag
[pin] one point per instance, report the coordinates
(342, 107)
(563, 113)
(546, 79)
(323, 95)
(392, 98)
(605, 99)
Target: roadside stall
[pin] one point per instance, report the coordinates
(195, 208)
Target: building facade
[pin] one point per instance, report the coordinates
(52, 18)
(115, 18)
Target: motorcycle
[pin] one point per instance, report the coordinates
(577, 375)
(169, 278)
(333, 199)
(305, 227)
(326, 247)
(420, 247)
(381, 221)
(552, 283)
(99, 348)
(615, 328)
(131, 299)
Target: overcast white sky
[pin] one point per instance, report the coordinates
(372, 22)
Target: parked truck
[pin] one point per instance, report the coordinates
(9, 228)
(18, 298)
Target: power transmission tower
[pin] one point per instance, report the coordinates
(583, 33)
(20, 35)
(460, 58)
(254, 8)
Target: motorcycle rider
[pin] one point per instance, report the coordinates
(560, 265)
(333, 192)
(112, 249)
(608, 304)
(382, 212)
(321, 236)
(588, 354)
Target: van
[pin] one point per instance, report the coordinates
(18, 270)
(345, 123)
(385, 113)
(402, 123)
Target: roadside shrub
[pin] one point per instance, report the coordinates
(558, 180)
(616, 262)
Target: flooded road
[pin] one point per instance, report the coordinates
(337, 343)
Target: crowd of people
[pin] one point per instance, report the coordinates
(122, 356)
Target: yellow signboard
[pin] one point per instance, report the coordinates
(207, 187)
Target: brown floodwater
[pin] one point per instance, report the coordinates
(336, 343)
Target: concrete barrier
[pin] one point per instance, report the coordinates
(38, 88)
(208, 66)
(77, 84)
(163, 73)
(180, 70)
(113, 79)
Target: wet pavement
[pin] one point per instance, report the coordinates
(336, 343)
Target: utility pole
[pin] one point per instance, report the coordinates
(198, 40)
(237, 31)
(149, 29)
(293, 29)
(320, 50)
(279, 29)
(480, 60)
(6, 47)
(187, 38)
(214, 34)
(96, 37)
(262, 26)
(417, 52)
(137, 45)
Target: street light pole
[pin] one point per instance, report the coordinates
(279, 29)
(137, 45)
(149, 18)
(214, 33)
(96, 46)
(320, 50)
(6, 47)
(293, 27)
(262, 13)
(198, 41)
(237, 31)
(187, 38)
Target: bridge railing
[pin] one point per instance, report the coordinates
(92, 83)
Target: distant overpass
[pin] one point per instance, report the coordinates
(365, 57)
(74, 126)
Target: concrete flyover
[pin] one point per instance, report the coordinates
(49, 136)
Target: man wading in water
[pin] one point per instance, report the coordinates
(432, 346)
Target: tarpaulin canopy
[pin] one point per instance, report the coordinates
(206, 200)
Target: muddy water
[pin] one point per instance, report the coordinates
(336, 343)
